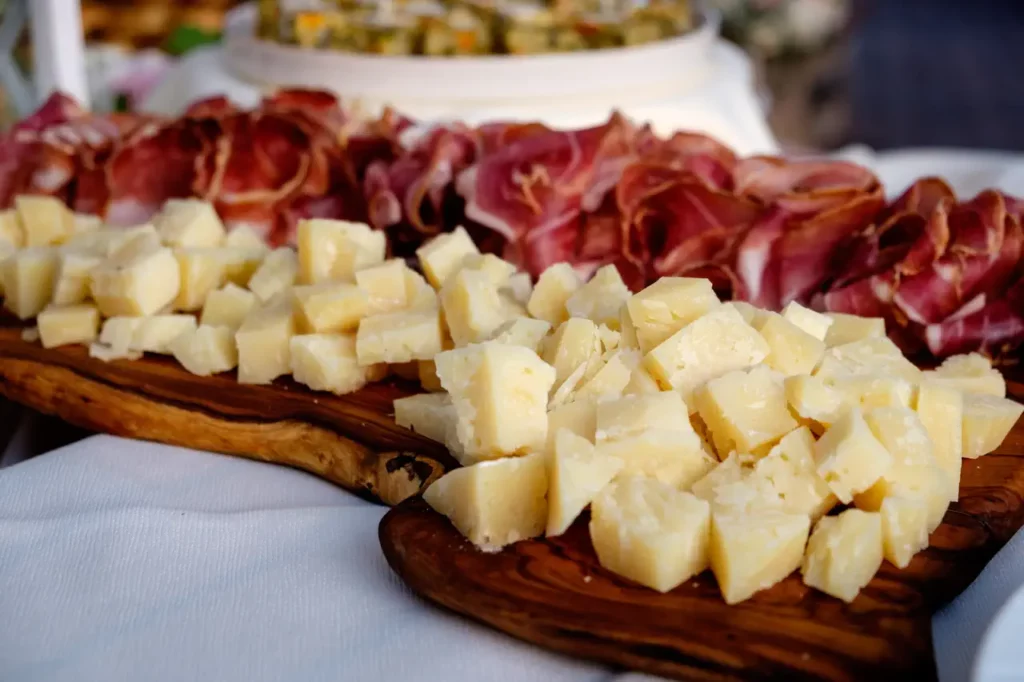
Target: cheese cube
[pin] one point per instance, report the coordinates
(579, 417)
(327, 362)
(202, 270)
(751, 553)
(118, 333)
(941, 410)
(814, 323)
(674, 457)
(641, 382)
(869, 391)
(72, 283)
(849, 457)
(632, 415)
(228, 307)
(472, 307)
(708, 347)
(428, 414)
(154, 334)
(554, 287)
(105, 353)
(520, 287)
(445, 254)
(497, 270)
(905, 528)
(523, 331)
(399, 337)
(730, 470)
(241, 263)
(244, 237)
(139, 279)
(750, 314)
(611, 379)
(139, 237)
(601, 298)
(849, 328)
(189, 222)
(971, 373)
(668, 305)
(28, 279)
(790, 468)
(844, 553)
(264, 342)
(868, 356)
(330, 307)
(610, 339)
(650, 533)
(494, 503)
(277, 273)
(86, 222)
(500, 393)
(206, 350)
(988, 419)
(46, 220)
(575, 344)
(745, 411)
(815, 402)
(62, 325)
(333, 250)
(793, 351)
(627, 330)
(11, 230)
(577, 473)
(384, 286)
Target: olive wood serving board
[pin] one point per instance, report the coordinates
(553, 592)
(349, 440)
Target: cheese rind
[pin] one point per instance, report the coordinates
(206, 350)
(63, 325)
(577, 473)
(751, 553)
(849, 457)
(844, 553)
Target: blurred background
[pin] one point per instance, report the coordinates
(893, 73)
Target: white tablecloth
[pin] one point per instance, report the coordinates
(123, 560)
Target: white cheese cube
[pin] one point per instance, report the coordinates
(399, 337)
(612, 378)
(601, 298)
(520, 287)
(849, 328)
(28, 279)
(579, 417)
(729, 471)
(333, 250)
(745, 411)
(817, 404)
(241, 263)
(650, 533)
(264, 342)
(641, 382)
(793, 351)
(244, 237)
(869, 391)
(62, 325)
(905, 528)
(577, 473)
(576, 343)
(634, 414)
(971, 373)
(428, 414)
(472, 307)
(100, 351)
(627, 330)
(119, 333)
(494, 503)
(988, 419)
(878, 355)
(849, 457)
(445, 254)
(228, 307)
(384, 286)
(674, 457)
(554, 287)
(46, 220)
(330, 307)
(941, 410)
(139, 279)
(73, 271)
(11, 230)
(189, 222)
(154, 334)
(83, 223)
(206, 350)
(844, 553)
(750, 314)
(276, 274)
(814, 323)
(751, 553)
(666, 306)
(790, 468)
(523, 331)
(708, 347)
(202, 270)
(497, 270)
(327, 362)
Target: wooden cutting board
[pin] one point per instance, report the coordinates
(555, 594)
(349, 440)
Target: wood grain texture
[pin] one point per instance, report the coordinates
(555, 594)
(350, 440)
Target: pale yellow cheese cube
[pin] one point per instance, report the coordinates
(103, 352)
(244, 237)
(138, 237)
(202, 271)
(577, 473)
(264, 342)
(627, 330)
(46, 220)
(814, 323)
(428, 414)
(650, 532)
(11, 230)
(421, 296)
(708, 347)
(941, 409)
(72, 282)
(877, 355)
(330, 307)
(750, 314)
(500, 393)
(790, 468)
(523, 331)
(611, 379)
(445, 254)
(610, 338)
(118, 333)
(154, 334)
(241, 263)
(83, 223)
(728, 471)
(494, 503)
(745, 411)
(384, 286)
(793, 351)
(672, 456)
(189, 222)
(139, 279)
(472, 307)
(399, 337)
(520, 287)
(641, 382)
(875, 390)
(579, 417)
(600, 298)
(276, 274)
(849, 328)
(327, 362)
(575, 343)
(334, 250)
(818, 404)
(497, 270)
(988, 419)
(228, 307)
(844, 553)
(849, 457)
(666, 306)
(28, 279)
(206, 350)
(971, 373)
(751, 553)
(554, 287)
(66, 324)
(905, 528)
(634, 414)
